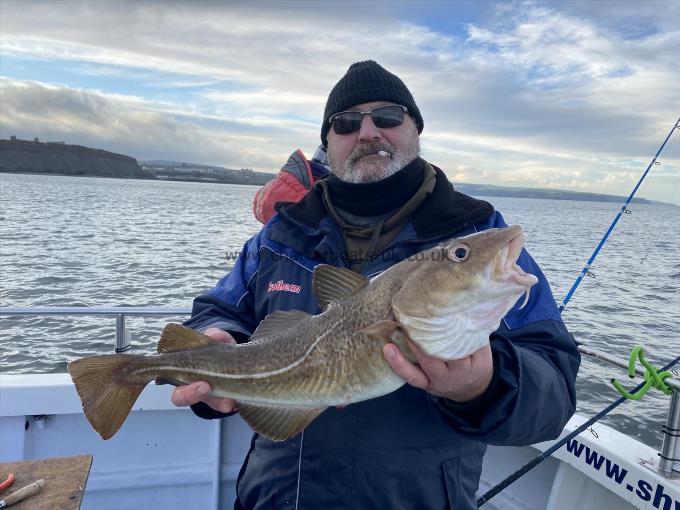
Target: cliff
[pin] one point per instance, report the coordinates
(24, 156)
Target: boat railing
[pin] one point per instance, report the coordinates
(123, 336)
(669, 463)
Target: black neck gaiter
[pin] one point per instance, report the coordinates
(374, 198)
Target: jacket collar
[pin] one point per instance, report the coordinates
(445, 211)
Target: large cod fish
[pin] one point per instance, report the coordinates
(447, 300)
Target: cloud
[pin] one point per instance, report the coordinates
(235, 42)
(133, 126)
(533, 93)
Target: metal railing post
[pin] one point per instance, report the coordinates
(123, 336)
(669, 458)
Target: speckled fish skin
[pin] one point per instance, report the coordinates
(299, 361)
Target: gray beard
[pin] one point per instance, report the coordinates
(351, 173)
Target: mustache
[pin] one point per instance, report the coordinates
(369, 148)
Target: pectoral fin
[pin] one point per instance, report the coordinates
(391, 331)
(277, 423)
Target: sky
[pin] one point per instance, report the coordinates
(575, 95)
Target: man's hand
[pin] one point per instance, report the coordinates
(198, 391)
(460, 380)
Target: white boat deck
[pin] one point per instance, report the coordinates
(165, 458)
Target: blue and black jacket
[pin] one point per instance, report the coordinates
(408, 449)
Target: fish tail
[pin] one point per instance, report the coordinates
(108, 387)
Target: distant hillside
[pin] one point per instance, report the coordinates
(25, 156)
(488, 190)
(36, 157)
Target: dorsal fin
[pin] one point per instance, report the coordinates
(279, 321)
(276, 423)
(331, 283)
(176, 337)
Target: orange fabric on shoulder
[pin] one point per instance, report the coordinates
(290, 185)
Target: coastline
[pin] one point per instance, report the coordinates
(478, 190)
(154, 179)
(58, 158)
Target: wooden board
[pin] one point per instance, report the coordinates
(65, 479)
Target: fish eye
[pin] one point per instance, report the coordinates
(459, 252)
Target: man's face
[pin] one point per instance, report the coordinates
(354, 157)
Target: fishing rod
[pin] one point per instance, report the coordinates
(540, 458)
(585, 350)
(586, 269)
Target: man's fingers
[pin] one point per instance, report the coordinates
(409, 372)
(481, 358)
(189, 394)
(193, 393)
(219, 335)
(223, 405)
(416, 350)
(435, 369)
(483, 354)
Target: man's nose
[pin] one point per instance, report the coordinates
(368, 132)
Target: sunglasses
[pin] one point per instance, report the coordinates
(383, 117)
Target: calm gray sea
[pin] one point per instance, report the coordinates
(70, 241)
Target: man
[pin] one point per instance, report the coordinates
(422, 445)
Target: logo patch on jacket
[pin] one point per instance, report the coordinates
(281, 286)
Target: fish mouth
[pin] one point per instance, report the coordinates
(505, 270)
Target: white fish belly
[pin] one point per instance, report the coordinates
(383, 385)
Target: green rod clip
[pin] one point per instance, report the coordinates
(653, 378)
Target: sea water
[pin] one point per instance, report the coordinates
(76, 241)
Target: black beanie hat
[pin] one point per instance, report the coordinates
(365, 82)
